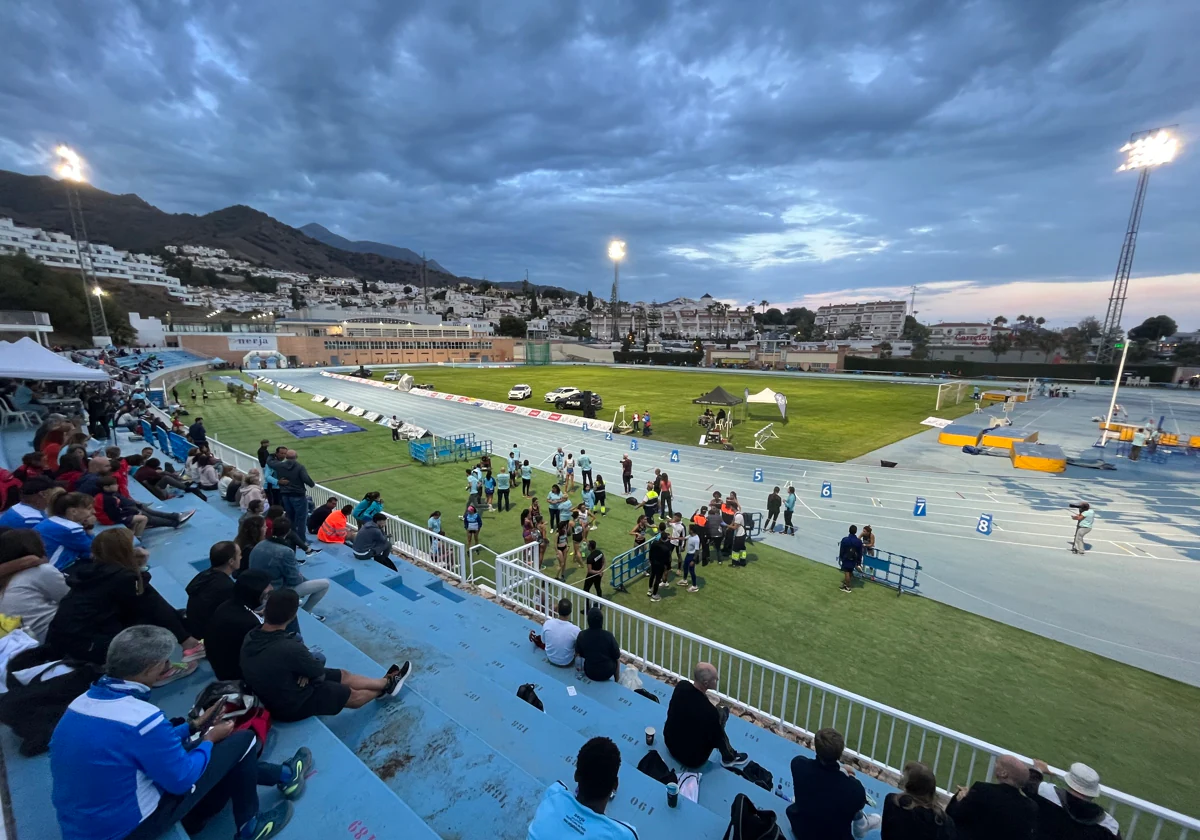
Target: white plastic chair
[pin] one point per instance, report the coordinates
(9, 415)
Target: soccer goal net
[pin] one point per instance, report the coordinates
(951, 393)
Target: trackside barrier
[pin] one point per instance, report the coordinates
(526, 590)
(408, 540)
(876, 734)
(630, 565)
(890, 569)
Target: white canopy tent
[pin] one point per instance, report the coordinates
(26, 359)
(766, 395)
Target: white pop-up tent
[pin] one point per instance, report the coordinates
(26, 359)
(766, 395)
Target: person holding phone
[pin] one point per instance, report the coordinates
(120, 769)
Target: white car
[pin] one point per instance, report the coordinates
(393, 376)
(520, 392)
(560, 393)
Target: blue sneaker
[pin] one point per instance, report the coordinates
(268, 823)
(301, 765)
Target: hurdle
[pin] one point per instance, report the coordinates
(763, 435)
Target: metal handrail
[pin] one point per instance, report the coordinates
(767, 690)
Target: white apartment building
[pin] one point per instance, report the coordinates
(963, 333)
(703, 318)
(880, 319)
(60, 251)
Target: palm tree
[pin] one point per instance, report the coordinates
(999, 321)
(764, 304)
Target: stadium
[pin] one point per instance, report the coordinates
(968, 644)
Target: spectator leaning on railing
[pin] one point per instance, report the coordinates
(1069, 813)
(996, 810)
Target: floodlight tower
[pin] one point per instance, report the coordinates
(1144, 151)
(616, 253)
(70, 169)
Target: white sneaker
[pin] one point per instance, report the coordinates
(864, 824)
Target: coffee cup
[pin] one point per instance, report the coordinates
(649, 736)
(672, 794)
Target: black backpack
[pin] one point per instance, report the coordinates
(748, 823)
(34, 710)
(652, 765)
(756, 773)
(528, 693)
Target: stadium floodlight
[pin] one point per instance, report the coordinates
(616, 253)
(70, 168)
(1151, 149)
(1145, 151)
(70, 164)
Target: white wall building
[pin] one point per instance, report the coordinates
(964, 333)
(880, 319)
(60, 251)
(703, 318)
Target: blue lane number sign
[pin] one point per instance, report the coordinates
(985, 524)
(758, 475)
(826, 490)
(585, 427)
(608, 435)
(633, 445)
(674, 456)
(919, 507)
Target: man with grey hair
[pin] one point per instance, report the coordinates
(695, 727)
(121, 770)
(996, 810)
(294, 482)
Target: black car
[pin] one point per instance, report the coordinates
(576, 401)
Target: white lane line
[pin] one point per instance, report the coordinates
(1059, 626)
(810, 510)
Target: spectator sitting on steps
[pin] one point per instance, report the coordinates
(558, 637)
(292, 683)
(582, 815)
(996, 810)
(695, 727)
(371, 543)
(829, 800)
(1069, 813)
(599, 649)
(120, 768)
(915, 813)
(276, 557)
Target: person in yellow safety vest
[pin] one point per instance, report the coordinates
(336, 528)
(650, 502)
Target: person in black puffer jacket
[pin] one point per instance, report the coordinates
(107, 596)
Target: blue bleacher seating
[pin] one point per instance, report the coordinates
(457, 754)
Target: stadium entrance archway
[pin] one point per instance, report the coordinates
(264, 360)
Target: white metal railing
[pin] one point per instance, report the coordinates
(408, 540)
(876, 734)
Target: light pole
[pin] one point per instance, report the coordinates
(616, 253)
(70, 169)
(99, 293)
(1144, 151)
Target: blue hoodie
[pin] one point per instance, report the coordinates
(112, 756)
(65, 541)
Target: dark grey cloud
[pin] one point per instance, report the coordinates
(769, 149)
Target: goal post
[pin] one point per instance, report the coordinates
(950, 393)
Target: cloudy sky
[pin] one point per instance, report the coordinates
(806, 152)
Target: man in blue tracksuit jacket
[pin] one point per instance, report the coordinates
(121, 771)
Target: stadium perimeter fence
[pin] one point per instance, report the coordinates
(879, 736)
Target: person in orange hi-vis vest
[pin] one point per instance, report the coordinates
(335, 528)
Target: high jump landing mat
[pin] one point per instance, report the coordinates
(957, 434)
(1039, 458)
(1003, 437)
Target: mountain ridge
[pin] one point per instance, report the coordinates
(365, 246)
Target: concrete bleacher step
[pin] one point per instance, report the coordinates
(451, 778)
(542, 745)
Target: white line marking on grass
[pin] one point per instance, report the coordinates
(810, 510)
(1059, 626)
